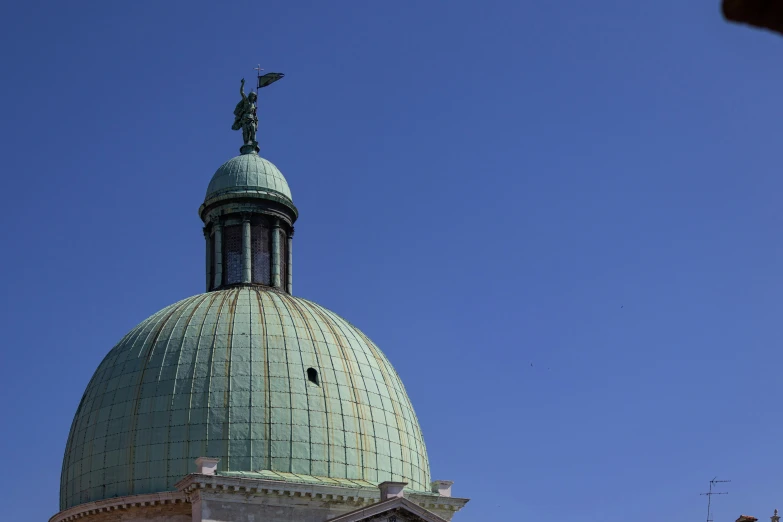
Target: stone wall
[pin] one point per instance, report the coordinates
(228, 507)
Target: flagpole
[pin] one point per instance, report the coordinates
(258, 70)
(269, 78)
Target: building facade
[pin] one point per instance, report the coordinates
(245, 402)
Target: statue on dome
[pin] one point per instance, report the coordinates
(245, 116)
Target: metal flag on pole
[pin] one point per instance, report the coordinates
(268, 78)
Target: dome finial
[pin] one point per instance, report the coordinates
(245, 113)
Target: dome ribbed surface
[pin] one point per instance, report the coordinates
(224, 374)
(247, 173)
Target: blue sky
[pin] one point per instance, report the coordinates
(560, 220)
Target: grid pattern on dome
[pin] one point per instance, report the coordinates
(224, 375)
(247, 172)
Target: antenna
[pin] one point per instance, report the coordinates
(710, 493)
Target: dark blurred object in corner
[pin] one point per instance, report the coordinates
(767, 14)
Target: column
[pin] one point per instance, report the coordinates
(290, 282)
(218, 254)
(246, 250)
(209, 257)
(276, 254)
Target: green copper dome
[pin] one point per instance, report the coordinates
(248, 175)
(255, 377)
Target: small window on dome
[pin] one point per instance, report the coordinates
(312, 375)
(232, 254)
(261, 248)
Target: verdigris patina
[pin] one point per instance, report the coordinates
(245, 118)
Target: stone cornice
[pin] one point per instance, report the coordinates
(431, 502)
(220, 212)
(388, 505)
(191, 487)
(195, 485)
(259, 196)
(118, 503)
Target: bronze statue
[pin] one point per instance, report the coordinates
(245, 116)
